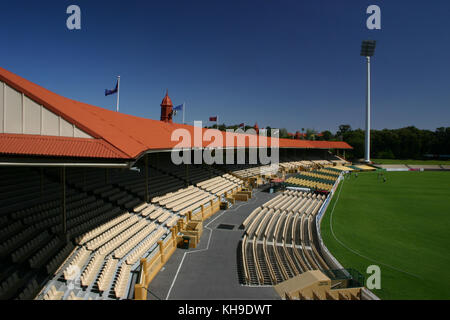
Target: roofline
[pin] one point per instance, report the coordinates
(61, 162)
(138, 143)
(65, 164)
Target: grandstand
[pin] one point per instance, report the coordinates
(93, 207)
(278, 242)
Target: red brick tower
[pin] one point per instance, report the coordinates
(256, 128)
(166, 109)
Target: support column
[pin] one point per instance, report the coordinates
(367, 151)
(147, 194)
(84, 177)
(42, 182)
(63, 201)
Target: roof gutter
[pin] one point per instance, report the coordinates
(66, 164)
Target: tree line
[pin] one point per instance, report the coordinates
(404, 143)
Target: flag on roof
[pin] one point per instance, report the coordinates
(177, 108)
(213, 118)
(241, 125)
(108, 92)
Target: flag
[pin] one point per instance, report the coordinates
(241, 125)
(177, 108)
(213, 118)
(108, 92)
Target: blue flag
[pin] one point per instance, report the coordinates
(108, 92)
(177, 108)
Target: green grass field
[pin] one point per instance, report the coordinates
(402, 225)
(415, 162)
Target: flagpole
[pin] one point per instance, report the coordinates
(118, 92)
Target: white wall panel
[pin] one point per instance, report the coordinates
(80, 134)
(32, 117)
(66, 128)
(13, 110)
(50, 123)
(1, 107)
(28, 117)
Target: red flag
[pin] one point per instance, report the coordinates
(241, 125)
(213, 118)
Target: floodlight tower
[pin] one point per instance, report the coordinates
(368, 50)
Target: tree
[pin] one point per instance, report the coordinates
(284, 133)
(326, 135)
(343, 129)
(311, 134)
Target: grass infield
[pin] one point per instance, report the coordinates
(402, 225)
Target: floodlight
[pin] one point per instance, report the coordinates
(368, 48)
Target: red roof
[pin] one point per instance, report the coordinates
(20, 144)
(129, 136)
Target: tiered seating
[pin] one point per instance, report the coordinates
(59, 258)
(104, 184)
(72, 296)
(30, 290)
(220, 185)
(159, 182)
(96, 222)
(120, 285)
(99, 230)
(184, 200)
(145, 246)
(123, 250)
(9, 285)
(87, 277)
(191, 174)
(111, 233)
(322, 179)
(115, 242)
(279, 239)
(39, 258)
(26, 250)
(77, 263)
(107, 274)
(53, 294)
(22, 188)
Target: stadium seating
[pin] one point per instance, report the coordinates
(110, 227)
(278, 243)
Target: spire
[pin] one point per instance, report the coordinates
(166, 108)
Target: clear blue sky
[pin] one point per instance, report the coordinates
(289, 64)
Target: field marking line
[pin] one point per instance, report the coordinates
(356, 252)
(209, 240)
